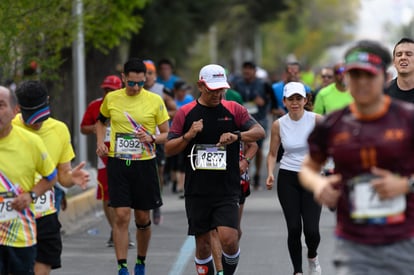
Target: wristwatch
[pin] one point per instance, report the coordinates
(238, 135)
(33, 195)
(411, 184)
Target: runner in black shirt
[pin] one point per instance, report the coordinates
(402, 87)
(209, 131)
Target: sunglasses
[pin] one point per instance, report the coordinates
(340, 70)
(133, 83)
(328, 76)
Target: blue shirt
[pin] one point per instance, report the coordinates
(168, 83)
(278, 90)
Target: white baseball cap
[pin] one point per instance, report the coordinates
(214, 77)
(292, 88)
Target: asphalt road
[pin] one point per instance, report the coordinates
(263, 245)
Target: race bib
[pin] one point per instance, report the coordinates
(127, 146)
(107, 134)
(44, 202)
(100, 164)
(251, 107)
(208, 157)
(367, 207)
(7, 213)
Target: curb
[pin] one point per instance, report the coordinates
(82, 207)
(78, 207)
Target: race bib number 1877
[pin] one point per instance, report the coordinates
(209, 157)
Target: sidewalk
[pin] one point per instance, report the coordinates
(81, 204)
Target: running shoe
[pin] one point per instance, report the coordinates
(131, 243)
(110, 242)
(314, 266)
(123, 271)
(139, 269)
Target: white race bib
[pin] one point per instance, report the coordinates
(209, 157)
(367, 207)
(107, 134)
(127, 146)
(7, 213)
(100, 164)
(251, 107)
(44, 202)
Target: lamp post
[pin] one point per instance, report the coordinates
(78, 52)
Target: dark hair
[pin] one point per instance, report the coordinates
(31, 93)
(309, 103)
(135, 65)
(249, 65)
(374, 48)
(181, 85)
(402, 40)
(292, 63)
(165, 61)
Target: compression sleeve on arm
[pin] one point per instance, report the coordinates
(102, 118)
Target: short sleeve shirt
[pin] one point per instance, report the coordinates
(56, 135)
(356, 143)
(145, 109)
(228, 116)
(23, 155)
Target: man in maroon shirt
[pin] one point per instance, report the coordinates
(371, 143)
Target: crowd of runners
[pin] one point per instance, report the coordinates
(342, 138)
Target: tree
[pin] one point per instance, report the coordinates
(36, 32)
(307, 29)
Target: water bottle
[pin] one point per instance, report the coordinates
(93, 231)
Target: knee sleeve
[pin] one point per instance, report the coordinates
(143, 227)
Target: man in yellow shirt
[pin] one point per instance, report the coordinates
(23, 154)
(35, 117)
(133, 182)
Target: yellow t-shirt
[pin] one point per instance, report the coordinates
(146, 109)
(55, 135)
(22, 155)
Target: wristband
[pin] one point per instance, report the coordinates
(238, 135)
(33, 195)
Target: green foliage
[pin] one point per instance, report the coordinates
(171, 27)
(307, 29)
(40, 30)
(268, 31)
(108, 22)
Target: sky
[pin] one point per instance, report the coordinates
(375, 13)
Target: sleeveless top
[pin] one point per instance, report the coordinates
(294, 138)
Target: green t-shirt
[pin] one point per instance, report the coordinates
(233, 95)
(331, 99)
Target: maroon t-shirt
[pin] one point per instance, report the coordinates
(357, 143)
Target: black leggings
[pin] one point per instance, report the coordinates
(298, 205)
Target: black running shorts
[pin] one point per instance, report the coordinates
(49, 241)
(205, 214)
(133, 184)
